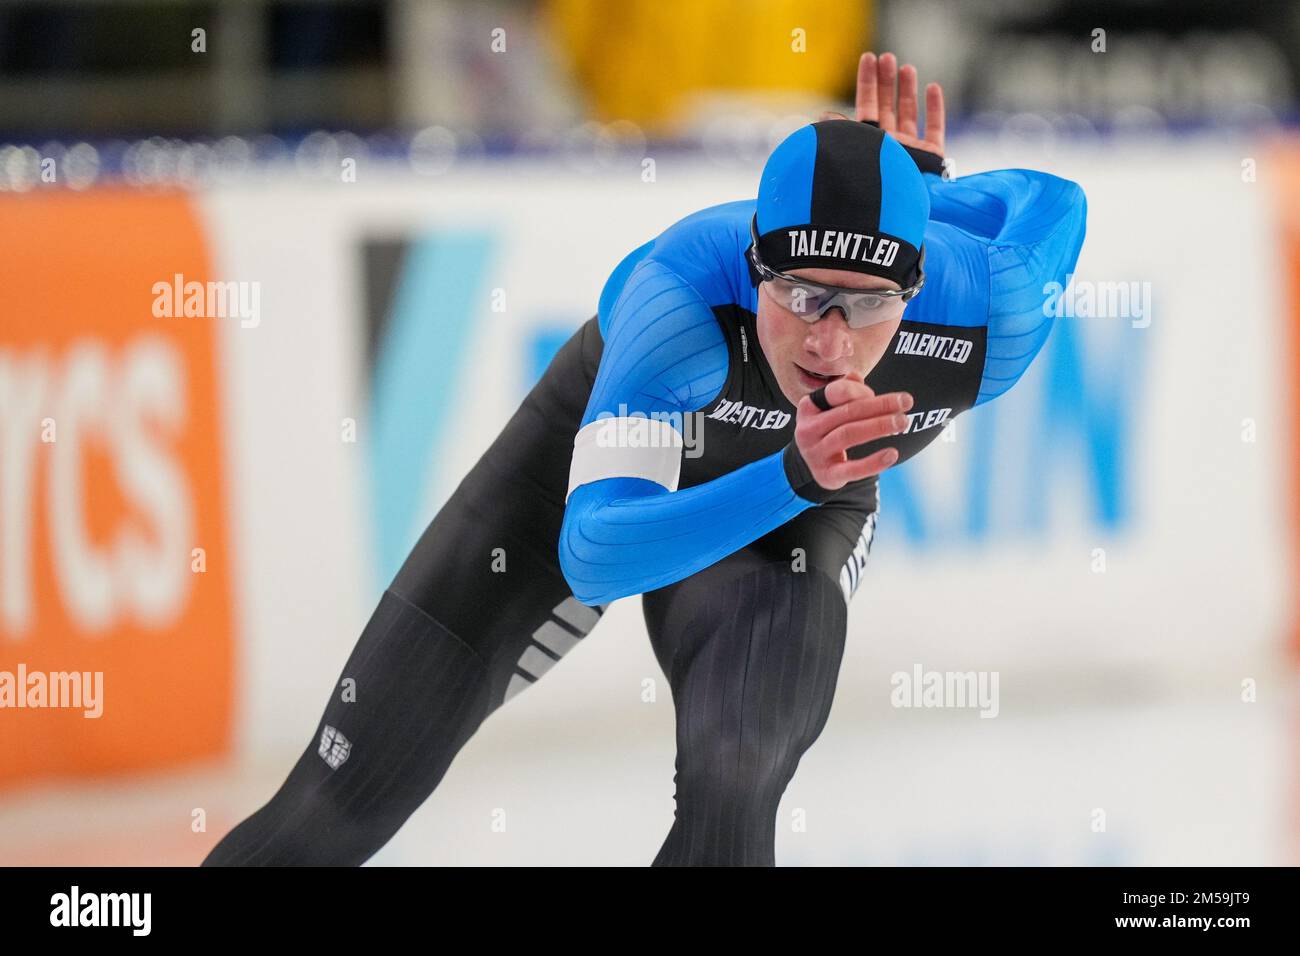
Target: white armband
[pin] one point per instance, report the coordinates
(648, 448)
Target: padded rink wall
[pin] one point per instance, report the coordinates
(1127, 513)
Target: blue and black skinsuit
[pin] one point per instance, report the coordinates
(745, 568)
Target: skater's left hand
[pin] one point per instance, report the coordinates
(876, 102)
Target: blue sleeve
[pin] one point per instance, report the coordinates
(664, 355)
(1031, 226)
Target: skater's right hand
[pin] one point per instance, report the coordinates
(857, 416)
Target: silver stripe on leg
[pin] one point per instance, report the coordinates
(576, 614)
(555, 638)
(534, 662)
(517, 683)
(852, 573)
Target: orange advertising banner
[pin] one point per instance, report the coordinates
(1284, 161)
(116, 643)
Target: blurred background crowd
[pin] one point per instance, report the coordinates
(426, 78)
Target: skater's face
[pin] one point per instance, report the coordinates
(805, 356)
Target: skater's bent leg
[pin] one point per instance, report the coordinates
(478, 612)
(752, 649)
(419, 694)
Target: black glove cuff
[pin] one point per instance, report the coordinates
(797, 471)
(926, 161)
(801, 477)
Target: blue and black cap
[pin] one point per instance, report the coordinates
(842, 195)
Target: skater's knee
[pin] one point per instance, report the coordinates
(728, 768)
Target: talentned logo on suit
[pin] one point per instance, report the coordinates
(836, 244)
(945, 347)
(749, 416)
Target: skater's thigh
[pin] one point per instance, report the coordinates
(487, 567)
(794, 581)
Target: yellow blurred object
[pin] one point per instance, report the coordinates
(643, 60)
